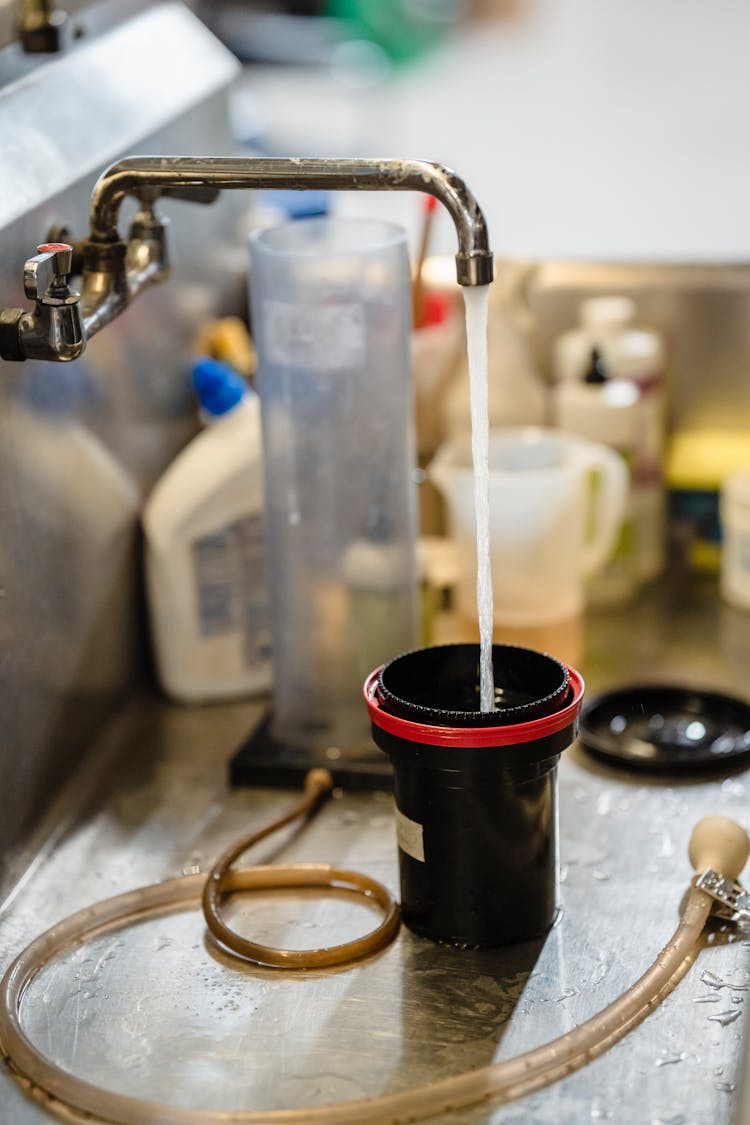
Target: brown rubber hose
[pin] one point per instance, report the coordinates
(222, 881)
(716, 842)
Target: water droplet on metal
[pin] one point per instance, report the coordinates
(711, 979)
(712, 998)
(665, 1059)
(568, 992)
(725, 1018)
(667, 847)
(733, 787)
(725, 1087)
(604, 804)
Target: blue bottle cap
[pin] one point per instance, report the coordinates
(218, 386)
(298, 204)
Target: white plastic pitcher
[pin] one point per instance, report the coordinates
(556, 505)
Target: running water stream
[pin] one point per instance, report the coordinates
(476, 300)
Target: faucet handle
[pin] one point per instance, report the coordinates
(47, 274)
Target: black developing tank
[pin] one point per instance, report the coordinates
(476, 792)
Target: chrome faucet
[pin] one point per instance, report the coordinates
(115, 271)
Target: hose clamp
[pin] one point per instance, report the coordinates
(733, 901)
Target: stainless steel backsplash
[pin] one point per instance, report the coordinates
(703, 312)
(81, 444)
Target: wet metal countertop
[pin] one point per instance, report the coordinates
(154, 1009)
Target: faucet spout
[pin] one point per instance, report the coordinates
(148, 178)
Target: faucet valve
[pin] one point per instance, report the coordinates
(46, 276)
(54, 330)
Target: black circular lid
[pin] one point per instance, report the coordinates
(664, 729)
(440, 686)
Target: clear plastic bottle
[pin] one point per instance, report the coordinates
(205, 551)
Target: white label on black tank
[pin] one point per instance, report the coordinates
(318, 338)
(410, 836)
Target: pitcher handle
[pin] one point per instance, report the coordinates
(608, 497)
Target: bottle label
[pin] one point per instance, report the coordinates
(231, 589)
(319, 337)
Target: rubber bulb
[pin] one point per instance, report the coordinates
(721, 844)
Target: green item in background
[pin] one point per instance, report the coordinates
(405, 29)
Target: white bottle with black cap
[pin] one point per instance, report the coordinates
(601, 322)
(205, 551)
(606, 410)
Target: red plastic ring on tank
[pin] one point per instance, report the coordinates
(474, 736)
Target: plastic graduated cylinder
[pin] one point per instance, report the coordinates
(331, 314)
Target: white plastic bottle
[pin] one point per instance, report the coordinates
(606, 410)
(79, 505)
(205, 551)
(602, 320)
(637, 355)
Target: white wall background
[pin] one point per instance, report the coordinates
(605, 129)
